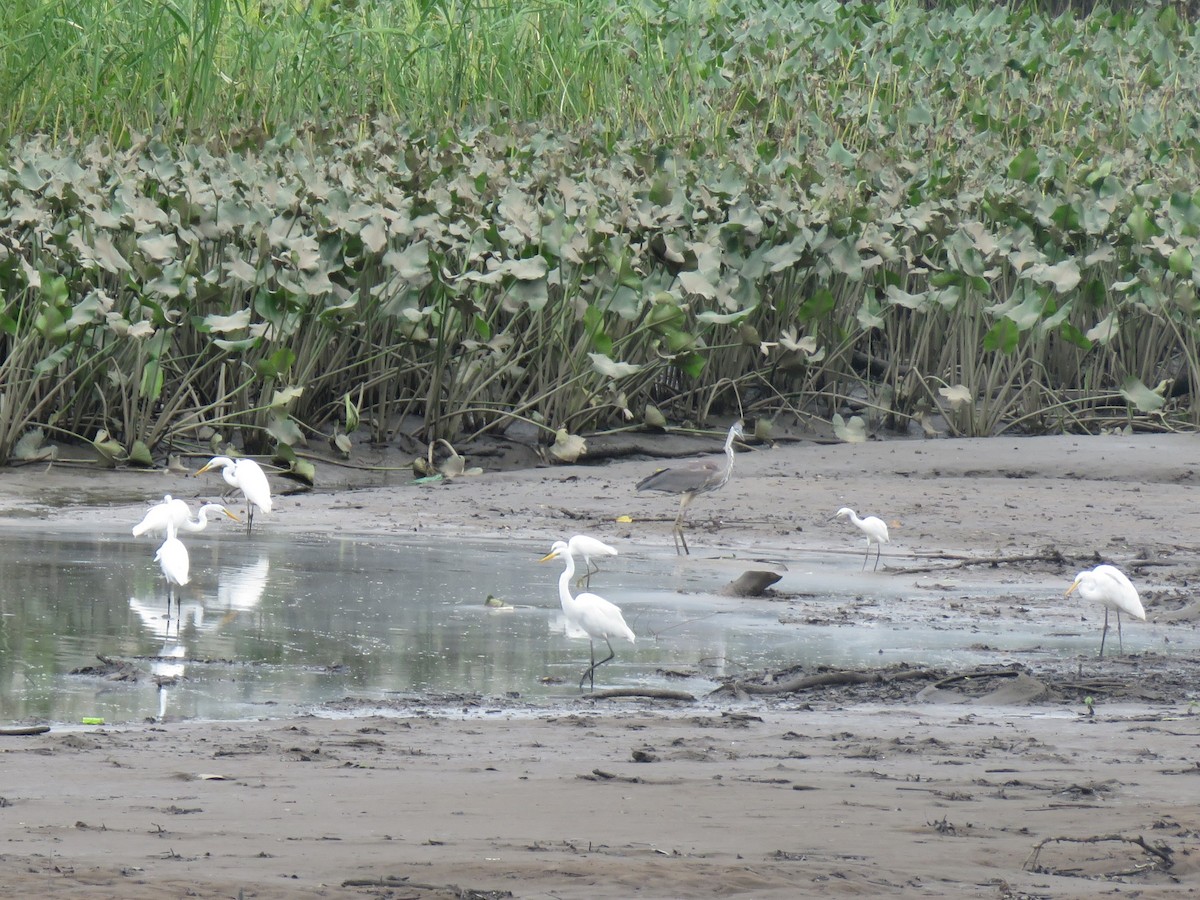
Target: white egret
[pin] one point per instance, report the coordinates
(587, 548)
(598, 617)
(172, 558)
(1109, 586)
(691, 479)
(248, 477)
(872, 526)
(175, 512)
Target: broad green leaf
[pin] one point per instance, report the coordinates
(716, 318)
(611, 369)
(281, 398)
(956, 395)
(852, 432)
(281, 427)
(1141, 396)
(1002, 336)
(226, 324)
(1104, 330)
(567, 447)
(1025, 166)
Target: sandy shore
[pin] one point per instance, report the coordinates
(904, 791)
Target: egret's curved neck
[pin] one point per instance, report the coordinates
(564, 582)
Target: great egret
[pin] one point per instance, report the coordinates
(1109, 586)
(248, 477)
(872, 526)
(175, 512)
(598, 617)
(588, 547)
(172, 558)
(692, 479)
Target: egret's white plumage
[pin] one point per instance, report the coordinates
(1110, 587)
(872, 526)
(172, 558)
(248, 477)
(690, 479)
(589, 548)
(598, 617)
(173, 511)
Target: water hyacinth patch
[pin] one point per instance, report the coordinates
(847, 212)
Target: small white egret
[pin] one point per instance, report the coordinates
(175, 512)
(691, 479)
(248, 477)
(872, 526)
(588, 548)
(172, 558)
(1109, 586)
(600, 618)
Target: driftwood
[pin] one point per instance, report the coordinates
(648, 693)
(1046, 555)
(825, 679)
(21, 730)
(1162, 853)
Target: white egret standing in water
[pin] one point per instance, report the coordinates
(873, 527)
(175, 512)
(588, 548)
(1110, 587)
(600, 618)
(248, 477)
(172, 558)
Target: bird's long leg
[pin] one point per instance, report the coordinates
(249, 516)
(680, 539)
(1104, 633)
(1120, 639)
(878, 553)
(591, 672)
(865, 558)
(586, 578)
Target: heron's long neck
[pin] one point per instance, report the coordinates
(564, 584)
(728, 462)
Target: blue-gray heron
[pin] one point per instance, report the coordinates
(1109, 586)
(873, 527)
(691, 479)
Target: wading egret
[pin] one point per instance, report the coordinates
(172, 558)
(248, 477)
(872, 526)
(598, 617)
(1109, 586)
(588, 548)
(175, 512)
(692, 479)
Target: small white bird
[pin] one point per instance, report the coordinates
(248, 477)
(172, 511)
(588, 548)
(600, 618)
(172, 558)
(872, 526)
(1109, 586)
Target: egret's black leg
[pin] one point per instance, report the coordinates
(878, 553)
(1104, 633)
(1120, 638)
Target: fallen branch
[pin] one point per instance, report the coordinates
(398, 881)
(648, 693)
(1162, 853)
(17, 731)
(825, 679)
(1047, 555)
(971, 676)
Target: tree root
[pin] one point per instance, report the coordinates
(1045, 555)
(1163, 853)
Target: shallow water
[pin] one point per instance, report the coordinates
(276, 623)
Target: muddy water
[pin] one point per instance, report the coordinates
(273, 624)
